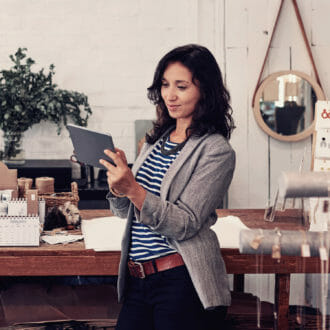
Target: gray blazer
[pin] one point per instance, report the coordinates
(191, 191)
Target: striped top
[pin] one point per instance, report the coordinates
(145, 243)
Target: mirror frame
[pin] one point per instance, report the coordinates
(257, 114)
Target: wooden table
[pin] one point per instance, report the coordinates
(74, 259)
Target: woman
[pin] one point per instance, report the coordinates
(172, 275)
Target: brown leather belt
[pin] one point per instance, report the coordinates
(143, 269)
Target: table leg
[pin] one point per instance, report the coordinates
(282, 293)
(239, 282)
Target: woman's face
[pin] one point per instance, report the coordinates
(179, 93)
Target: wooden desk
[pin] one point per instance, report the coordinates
(73, 259)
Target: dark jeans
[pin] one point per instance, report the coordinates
(167, 301)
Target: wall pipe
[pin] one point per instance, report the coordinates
(290, 241)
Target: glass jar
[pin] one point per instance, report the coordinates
(13, 152)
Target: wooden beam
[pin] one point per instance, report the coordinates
(282, 294)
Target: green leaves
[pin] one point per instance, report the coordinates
(28, 97)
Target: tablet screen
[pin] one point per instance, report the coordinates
(89, 145)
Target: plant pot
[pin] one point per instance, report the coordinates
(13, 152)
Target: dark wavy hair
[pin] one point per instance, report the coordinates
(213, 113)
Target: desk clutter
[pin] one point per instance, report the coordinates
(27, 210)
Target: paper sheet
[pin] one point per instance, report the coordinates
(61, 239)
(103, 234)
(227, 230)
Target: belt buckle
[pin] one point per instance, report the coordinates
(138, 269)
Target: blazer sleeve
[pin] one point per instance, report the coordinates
(209, 181)
(118, 205)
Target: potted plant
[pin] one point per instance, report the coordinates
(27, 98)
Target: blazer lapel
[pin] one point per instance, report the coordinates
(185, 153)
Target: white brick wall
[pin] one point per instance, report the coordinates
(107, 49)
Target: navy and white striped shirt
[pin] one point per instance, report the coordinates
(145, 243)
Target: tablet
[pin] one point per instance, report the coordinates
(89, 145)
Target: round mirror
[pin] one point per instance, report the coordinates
(284, 105)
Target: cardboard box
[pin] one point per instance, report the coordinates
(8, 179)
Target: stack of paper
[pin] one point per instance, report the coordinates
(61, 239)
(227, 230)
(103, 234)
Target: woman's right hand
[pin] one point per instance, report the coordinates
(122, 155)
(121, 179)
